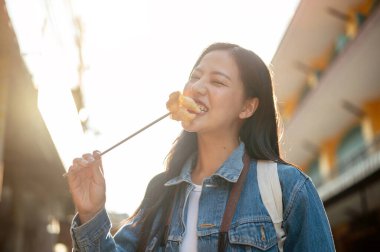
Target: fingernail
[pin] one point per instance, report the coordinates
(83, 162)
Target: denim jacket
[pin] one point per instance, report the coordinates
(305, 221)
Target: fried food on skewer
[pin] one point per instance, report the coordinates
(180, 107)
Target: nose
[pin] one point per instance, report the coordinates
(198, 87)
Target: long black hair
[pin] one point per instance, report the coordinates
(259, 134)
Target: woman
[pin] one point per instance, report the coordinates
(184, 207)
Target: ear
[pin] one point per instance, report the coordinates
(249, 108)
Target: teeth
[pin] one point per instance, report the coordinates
(202, 108)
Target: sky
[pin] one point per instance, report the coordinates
(136, 53)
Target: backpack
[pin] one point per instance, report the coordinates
(271, 194)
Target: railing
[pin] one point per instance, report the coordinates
(359, 167)
(348, 163)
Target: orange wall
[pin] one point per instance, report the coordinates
(372, 112)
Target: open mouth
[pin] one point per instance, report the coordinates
(202, 107)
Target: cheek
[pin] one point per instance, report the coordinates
(231, 104)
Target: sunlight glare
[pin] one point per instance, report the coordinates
(58, 110)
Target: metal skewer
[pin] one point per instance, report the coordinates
(129, 137)
(134, 134)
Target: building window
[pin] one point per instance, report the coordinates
(350, 149)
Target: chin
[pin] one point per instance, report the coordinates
(190, 127)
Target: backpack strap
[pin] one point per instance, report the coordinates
(271, 194)
(232, 202)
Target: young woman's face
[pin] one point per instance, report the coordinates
(216, 86)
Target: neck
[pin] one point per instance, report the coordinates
(212, 152)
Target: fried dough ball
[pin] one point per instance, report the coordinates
(179, 107)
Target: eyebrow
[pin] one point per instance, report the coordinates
(221, 73)
(214, 72)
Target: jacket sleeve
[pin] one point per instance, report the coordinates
(305, 221)
(95, 236)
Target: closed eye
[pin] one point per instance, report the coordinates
(219, 83)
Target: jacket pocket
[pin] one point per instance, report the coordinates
(253, 234)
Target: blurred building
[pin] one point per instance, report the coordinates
(35, 203)
(327, 80)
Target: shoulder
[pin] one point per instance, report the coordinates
(292, 181)
(296, 187)
(291, 178)
(290, 174)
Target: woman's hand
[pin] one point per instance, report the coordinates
(87, 185)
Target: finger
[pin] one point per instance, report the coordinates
(97, 154)
(72, 176)
(98, 157)
(80, 162)
(88, 157)
(73, 169)
(97, 174)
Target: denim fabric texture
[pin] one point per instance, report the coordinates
(305, 221)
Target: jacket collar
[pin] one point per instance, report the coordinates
(230, 169)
